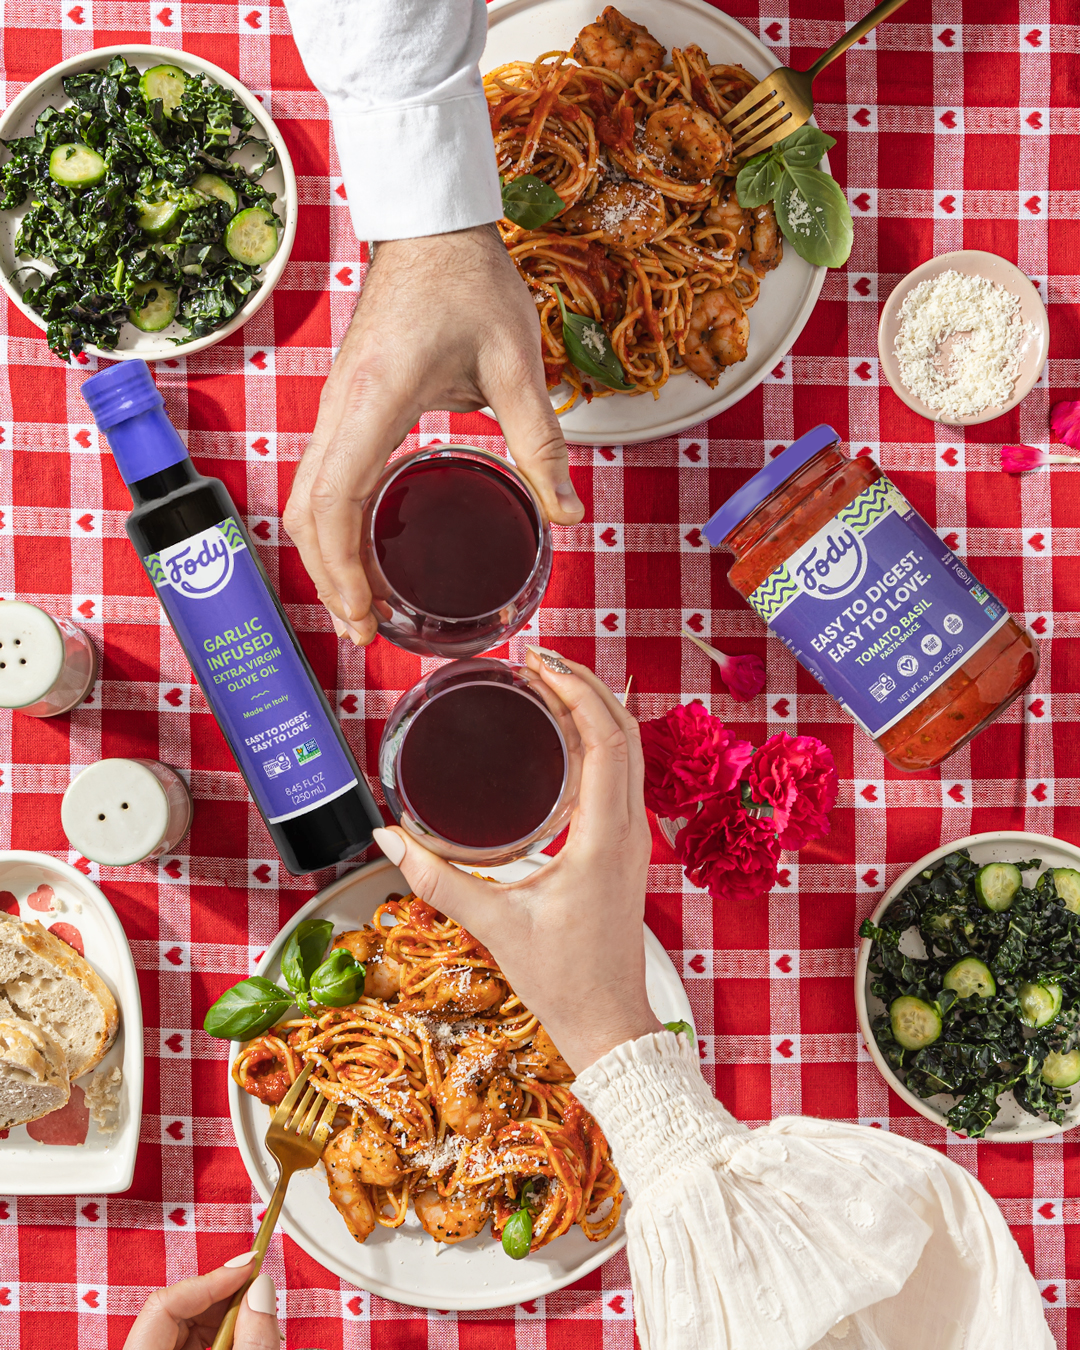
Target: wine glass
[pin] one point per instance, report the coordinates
(481, 762)
(457, 550)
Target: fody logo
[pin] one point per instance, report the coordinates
(834, 566)
(200, 566)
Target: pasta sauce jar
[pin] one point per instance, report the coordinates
(852, 579)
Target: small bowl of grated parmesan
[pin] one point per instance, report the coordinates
(963, 338)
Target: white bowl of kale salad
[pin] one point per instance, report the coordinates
(967, 986)
(147, 203)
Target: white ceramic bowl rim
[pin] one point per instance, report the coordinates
(135, 54)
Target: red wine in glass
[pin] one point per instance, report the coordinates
(481, 762)
(457, 551)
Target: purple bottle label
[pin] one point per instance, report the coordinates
(877, 608)
(255, 682)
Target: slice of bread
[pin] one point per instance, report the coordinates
(33, 1073)
(45, 982)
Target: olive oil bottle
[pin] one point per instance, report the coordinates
(243, 651)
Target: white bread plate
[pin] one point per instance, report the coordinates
(404, 1264)
(103, 1164)
(1013, 1125)
(48, 91)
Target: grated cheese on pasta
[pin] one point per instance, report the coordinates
(985, 361)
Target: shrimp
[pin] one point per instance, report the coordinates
(689, 143)
(383, 978)
(454, 1218)
(620, 45)
(543, 1061)
(475, 1098)
(768, 247)
(719, 331)
(727, 214)
(461, 989)
(368, 1150)
(350, 1196)
(627, 214)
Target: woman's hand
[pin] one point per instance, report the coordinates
(443, 322)
(186, 1316)
(569, 939)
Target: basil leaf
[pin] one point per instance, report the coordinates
(813, 214)
(517, 1235)
(338, 981)
(529, 202)
(590, 349)
(805, 147)
(303, 952)
(758, 179)
(247, 1009)
(683, 1028)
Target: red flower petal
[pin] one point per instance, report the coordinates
(1065, 422)
(1021, 458)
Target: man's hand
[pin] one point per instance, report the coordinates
(444, 322)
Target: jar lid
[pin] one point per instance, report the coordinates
(764, 483)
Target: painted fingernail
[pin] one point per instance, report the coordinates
(262, 1296)
(244, 1259)
(391, 844)
(552, 661)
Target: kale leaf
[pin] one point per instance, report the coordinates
(84, 250)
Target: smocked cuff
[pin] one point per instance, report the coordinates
(658, 1113)
(419, 170)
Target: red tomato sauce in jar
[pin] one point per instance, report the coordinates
(871, 602)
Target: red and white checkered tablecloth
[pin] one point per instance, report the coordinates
(956, 127)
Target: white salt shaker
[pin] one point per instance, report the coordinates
(123, 811)
(47, 665)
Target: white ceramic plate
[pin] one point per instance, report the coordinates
(48, 90)
(404, 1264)
(105, 1163)
(522, 30)
(1012, 1125)
(976, 263)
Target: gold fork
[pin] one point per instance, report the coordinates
(296, 1137)
(784, 101)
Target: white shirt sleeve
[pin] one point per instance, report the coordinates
(402, 80)
(805, 1233)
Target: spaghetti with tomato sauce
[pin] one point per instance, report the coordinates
(451, 1097)
(650, 241)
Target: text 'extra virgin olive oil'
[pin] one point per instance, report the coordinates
(243, 651)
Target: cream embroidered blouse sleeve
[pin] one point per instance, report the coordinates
(804, 1233)
(402, 81)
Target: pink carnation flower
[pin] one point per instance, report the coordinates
(1022, 458)
(689, 755)
(796, 776)
(731, 854)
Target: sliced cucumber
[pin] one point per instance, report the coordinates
(252, 236)
(157, 313)
(970, 976)
(1067, 885)
(210, 185)
(915, 1024)
(996, 885)
(166, 83)
(157, 218)
(1061, 1070)
(1039, 1003)
(74, 165)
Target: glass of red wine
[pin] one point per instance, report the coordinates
(481, 762)
(457, 550)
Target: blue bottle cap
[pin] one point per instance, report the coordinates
(127, 406)
(764, 483)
